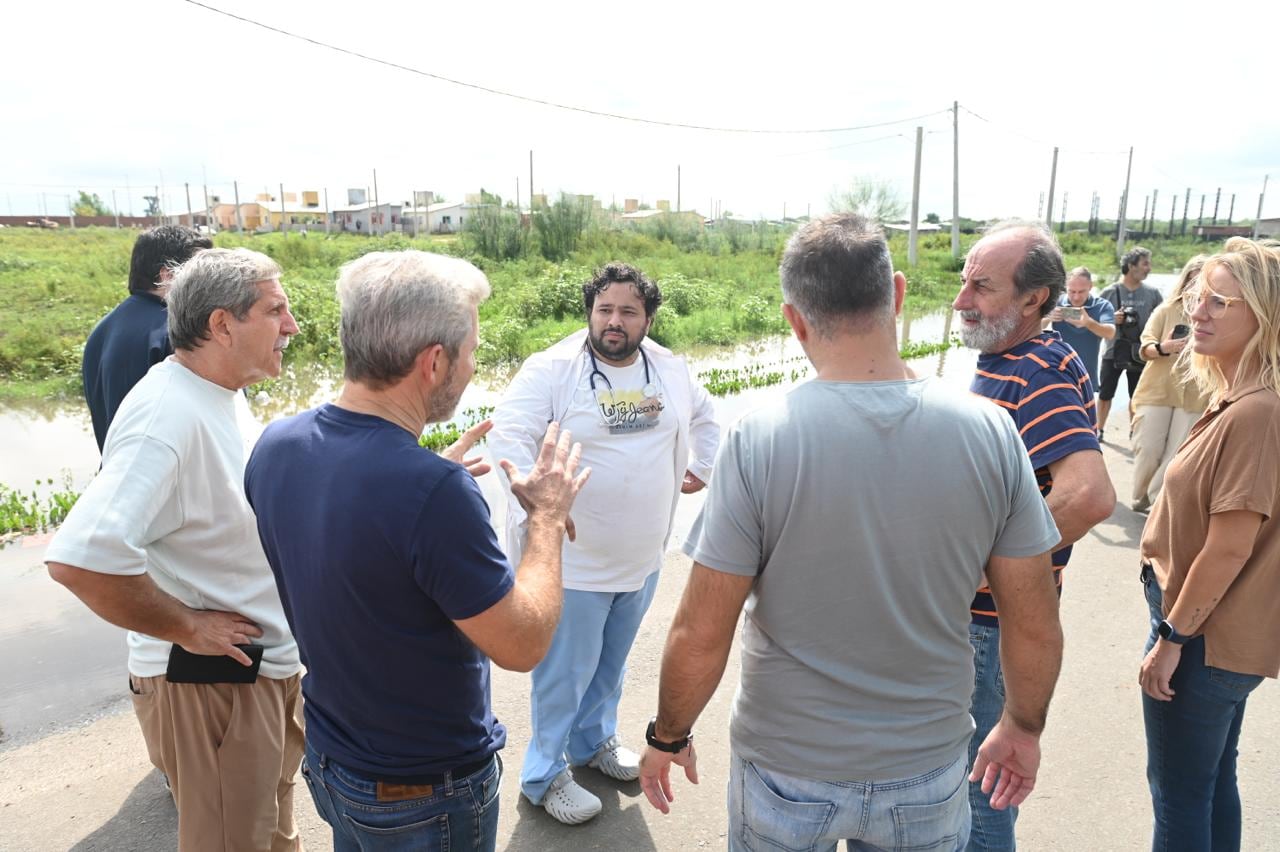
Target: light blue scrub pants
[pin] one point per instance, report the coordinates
(577, 686)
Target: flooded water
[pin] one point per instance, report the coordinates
(60, 663)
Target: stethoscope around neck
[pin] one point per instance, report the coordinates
(648, 391)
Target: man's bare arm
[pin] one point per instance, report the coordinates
(1082, 495)
(136, 603)
(1030, 635)
(516, 631)
(697, 647)
(1031, 655)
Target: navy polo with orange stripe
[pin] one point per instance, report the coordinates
(1045, 388)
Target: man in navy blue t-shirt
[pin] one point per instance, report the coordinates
(1011, 280)
(390, 571)
(135, 335)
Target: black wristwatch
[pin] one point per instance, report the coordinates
(670, 748)
(1160, 349)
(1168, 634)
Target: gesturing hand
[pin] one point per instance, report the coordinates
(216, 633)
(550, 488)
(691, 484)
(457, 451)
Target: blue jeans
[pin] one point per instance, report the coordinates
(578, 684)
(1191, 747)
(460, 815)
(771, 811)
(992, 829)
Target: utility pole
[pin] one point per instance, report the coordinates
(1146, 206)
(1124, 206)
(955, 179)
(1231, 211)
(1062, 223)
(1151, 222)
(1261, 196)
(678, 189)
(1053, 180)
(159, 209)
(115, 207)
(1186, 206)
(376, 207)
(327, 214)
(208, 211)
(191, 219)
(71, 214)
(1200, 218)
(1217, 199)
(914, 236)
(530, 185)
(1040, 205)
(235, 188)
(1173, 214)
(284, 219)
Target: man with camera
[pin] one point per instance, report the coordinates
(1083, 320)
(1133, 302)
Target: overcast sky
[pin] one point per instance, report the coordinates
(102, 96)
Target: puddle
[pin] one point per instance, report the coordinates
(59, 662)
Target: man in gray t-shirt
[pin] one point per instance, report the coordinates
(854, 520)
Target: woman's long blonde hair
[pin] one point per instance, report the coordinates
(1255, 265)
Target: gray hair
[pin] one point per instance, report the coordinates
(212, 279)
(1041, 265)
(396, 304)
(1080, 272)
(837, 268)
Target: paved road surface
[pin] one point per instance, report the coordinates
(90, 787)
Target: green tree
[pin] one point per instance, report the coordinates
(90, 205)
(560, 226)
(869, 197)
(933, 219)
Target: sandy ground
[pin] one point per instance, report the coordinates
(90, 787)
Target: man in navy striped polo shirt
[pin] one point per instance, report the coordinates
(1012, 279)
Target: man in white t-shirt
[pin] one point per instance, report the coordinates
(163, 543)
(648, 434)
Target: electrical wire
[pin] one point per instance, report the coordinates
(541, 101)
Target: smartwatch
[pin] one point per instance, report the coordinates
(670, 748)
(1169, 634)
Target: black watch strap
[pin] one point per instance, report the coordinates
(1160, 349)
(670, 748)
(1169, 634)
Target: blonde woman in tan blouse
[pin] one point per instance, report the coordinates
(1211, 555)
(1167, 401)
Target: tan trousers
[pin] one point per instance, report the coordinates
(230, 751)
(1158, 431)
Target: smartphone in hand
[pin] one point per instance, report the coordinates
(1180, 330)
(1070, 312)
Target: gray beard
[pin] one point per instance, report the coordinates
(990, 334)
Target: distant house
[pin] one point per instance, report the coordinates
(368, 218)
(447, 217)
(1269, 227)
(1221, 232)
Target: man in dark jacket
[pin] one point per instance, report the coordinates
(134, 336)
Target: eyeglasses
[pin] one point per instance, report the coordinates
(1217, 303)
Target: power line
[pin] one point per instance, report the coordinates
(541, 101)
(1035, 140)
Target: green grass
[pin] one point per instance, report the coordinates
(720, 287)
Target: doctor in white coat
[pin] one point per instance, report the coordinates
(648, 433)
